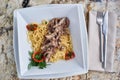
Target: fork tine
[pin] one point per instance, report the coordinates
(99, 14)
(99, 17)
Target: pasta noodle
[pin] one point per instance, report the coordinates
(37, 37)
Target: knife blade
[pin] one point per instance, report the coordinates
(105, 31)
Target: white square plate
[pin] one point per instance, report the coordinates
(76, 66)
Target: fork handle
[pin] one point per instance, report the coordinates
(101, 44)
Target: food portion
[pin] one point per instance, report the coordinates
(50, 41)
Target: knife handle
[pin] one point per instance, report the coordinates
(105, 50)
(101, 45)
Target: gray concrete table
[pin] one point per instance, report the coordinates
(7, 61)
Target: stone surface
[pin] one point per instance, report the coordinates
(7, 61)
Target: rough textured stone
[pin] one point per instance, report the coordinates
(7, 61)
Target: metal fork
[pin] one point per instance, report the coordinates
(100, 23)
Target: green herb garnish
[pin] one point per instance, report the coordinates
(41, 65)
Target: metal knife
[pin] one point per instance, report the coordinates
(105, 32)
